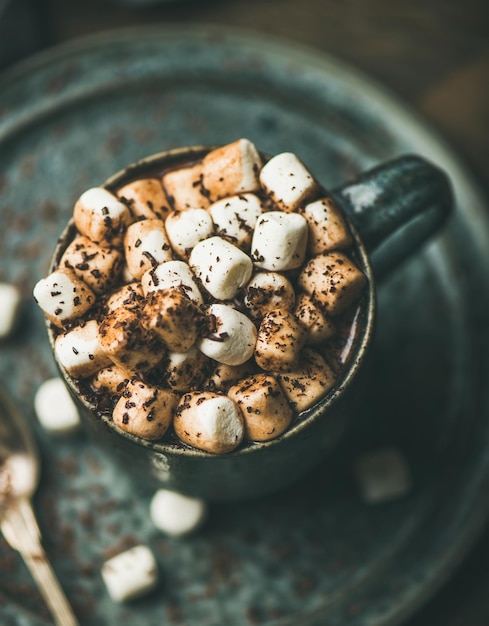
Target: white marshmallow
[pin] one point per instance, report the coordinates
(235, 218)
(233, 336)
(383, 475)
(55, 408)
(146, 245)
(172, 274)
(100, 216)
(222, 267)
(186, 228)
(79, 351)
(130, 574)
(279, 241)
(9, 307)
(175, 514)
(289, 183)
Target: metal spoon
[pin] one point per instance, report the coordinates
(19, 476)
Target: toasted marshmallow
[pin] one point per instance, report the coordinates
(320, 328)
(333, 281)
(102, 217)
(184, 371)
(146, 245)
(279, 242)
(99, 267)
(232, 337)
(175, 514)
(224, 376)
(280, 340)
(235, 218)
(145, 411)
(231, 169)
(129, 296)
(172, 274)
(55, 408)
(145, 198)
(209, 421)
(10, 299)
(80, 352)
(183, 188)
(63, 296)
(186, 228)
(308, 382)
(327, 227)
(288, 182)
(222, 267)
(265, 409)
(267, 291)
(110, 380)
(130, 574)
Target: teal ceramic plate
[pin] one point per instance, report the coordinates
(316, 553)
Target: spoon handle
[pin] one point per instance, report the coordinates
(20, 529)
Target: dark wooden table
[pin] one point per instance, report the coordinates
(434, 54)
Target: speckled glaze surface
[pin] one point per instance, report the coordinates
(314, 553)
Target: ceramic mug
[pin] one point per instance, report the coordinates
(406, 191)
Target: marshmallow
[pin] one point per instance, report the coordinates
(175, 514)
(280, 340)
(383, 475)
(289, 183)
(222, 267)
(333, 281)
(110, 380)
(235, 218)
(267, 291)
(101, 217)
(231, 169)
(308, 382)
(279, 241)
(183, 188)
(232, 336)
(55, 408)
(97, 266)
(327, 227)
(209, 421)
(186, 228)
(62, 296)
(265, 409)
(309, 315)
(185, 370)
(130, 574)
(173, 317)
(146, 245)
(144, 410)
(172, 274)
(145, 198)
(224, 375)
(80, 351)
(9, 308)
(129, 296)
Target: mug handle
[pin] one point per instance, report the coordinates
(396, 207)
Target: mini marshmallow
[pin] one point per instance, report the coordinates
(55, 408)
(144, 410)
(267, 291)
(129, 296)
(145, 198)
(146, 245)
(232, 336)
(327, 227)
(100, 216)
(333, 281)
(62, 296)
(183, 188)
(209, 421)
(383, 475)
(97, 266)
(287, 180)
(235, 218)
(224, 376)
(110, 380)
(10, 300)
(279, 241)
(186, 228)
(265, 409)
(80, 351)
(308, 382)
(130, 574)
(184, 371)
(175, 514)
(231, 169)
(172, 274)
(319, 327)
(222, 267)
(280, 340)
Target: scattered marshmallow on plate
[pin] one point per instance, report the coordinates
(9, 307)
(175, 514)
(130, 574)
(383, 475)
(55, 407)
